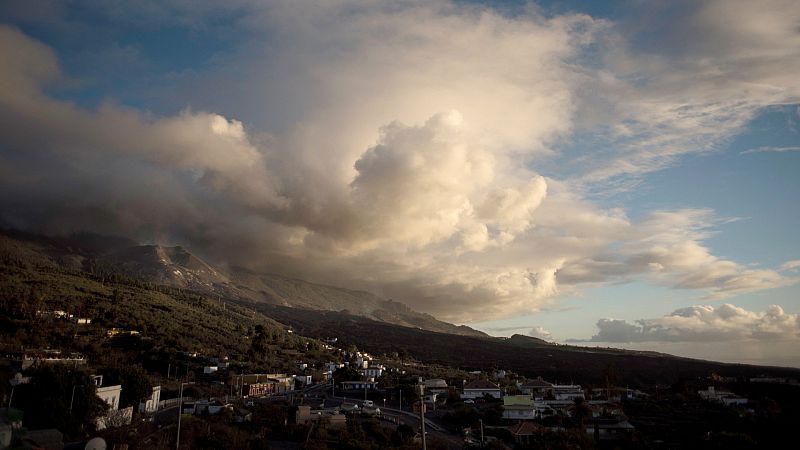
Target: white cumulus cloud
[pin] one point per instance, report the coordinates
(540, 333)
(703, 324)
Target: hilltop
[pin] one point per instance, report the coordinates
(177, 267)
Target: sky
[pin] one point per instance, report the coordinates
(596, 173)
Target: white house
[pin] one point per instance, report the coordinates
(567, 392)
(373, 372)
(479, 388)
(524, 407)
(111, 395)
(724, 397)
(108, 394)
(358, 385)
(537, 388)
(362, 360)
(150, 405)
(518, 407)
(305, 380)
(362, 363)
(332, 366)
(435, 386)
(610, 429)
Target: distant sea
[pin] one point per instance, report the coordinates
(784, 353)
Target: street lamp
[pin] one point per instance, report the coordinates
(180, 413)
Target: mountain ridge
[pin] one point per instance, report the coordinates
(525, 355)
(175, 266)
(33, 268)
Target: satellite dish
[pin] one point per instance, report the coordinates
(97, 443)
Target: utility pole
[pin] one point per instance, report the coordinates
(72, 399)
(421, 390)
(481, 432)
(16, 381)
(180, 413)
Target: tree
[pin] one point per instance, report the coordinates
(259, 344)
(409, 393)
(581, 412)
(346, 373)
(610, 376)
(513, 390)
(493, 415)
(462, 416)
(402, 435)
(135, 383)
(58, 397)
(116, 418)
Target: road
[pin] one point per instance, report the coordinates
(453, 440)
(166, 416)
(320, 392)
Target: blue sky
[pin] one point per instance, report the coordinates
(572, 170)
(757, 189)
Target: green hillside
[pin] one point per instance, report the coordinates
(167, 319)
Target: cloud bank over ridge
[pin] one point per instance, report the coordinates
(378, 151)
(703, 324)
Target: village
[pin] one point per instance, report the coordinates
(342, 394)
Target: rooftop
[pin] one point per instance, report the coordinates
(537, 383)
(481, 384)
(527, 428)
